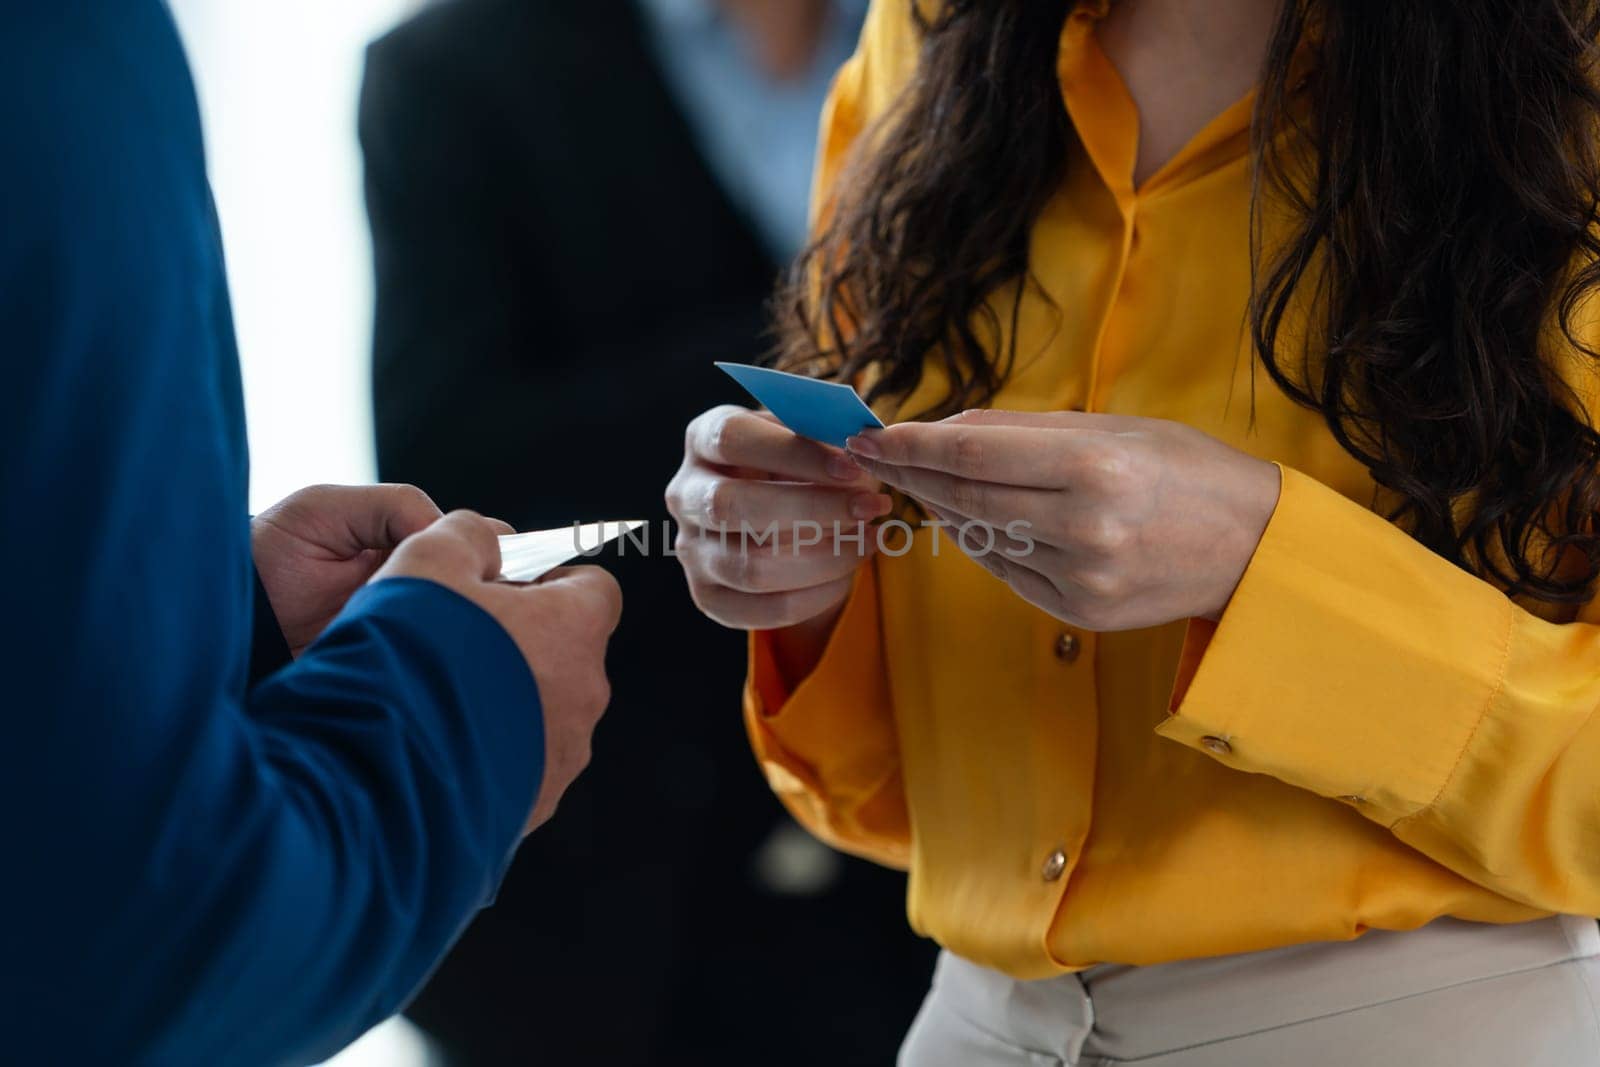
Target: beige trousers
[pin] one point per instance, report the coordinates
(1452, 994)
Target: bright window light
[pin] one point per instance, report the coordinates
(278, 85)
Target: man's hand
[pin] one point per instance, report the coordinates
(561, 625)
(317, 547)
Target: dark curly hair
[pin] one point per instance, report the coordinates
(1445, 182)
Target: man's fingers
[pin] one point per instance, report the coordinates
(477, 534)
(501, 527)
(594, 586)
(350, 519)
(408, 511)
(381, 516)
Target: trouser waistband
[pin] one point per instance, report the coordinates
(1134, 1012)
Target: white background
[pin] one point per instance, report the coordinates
(278, 84)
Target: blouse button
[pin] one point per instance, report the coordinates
(1054, 865)
(1067, 647)
(1215, 745)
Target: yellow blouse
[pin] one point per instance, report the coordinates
(1369, 738)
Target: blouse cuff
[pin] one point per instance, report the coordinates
(831, 727)
(1351, 661)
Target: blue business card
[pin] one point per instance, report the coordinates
(823, 411)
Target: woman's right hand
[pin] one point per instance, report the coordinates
(744, 476)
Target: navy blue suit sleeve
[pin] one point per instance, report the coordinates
(269, 650)
(195, 870)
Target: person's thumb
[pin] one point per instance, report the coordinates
(462, 546)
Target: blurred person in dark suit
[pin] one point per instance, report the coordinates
(577, 205)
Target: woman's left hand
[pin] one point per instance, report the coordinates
(1132, 522)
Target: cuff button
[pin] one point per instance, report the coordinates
(1055, 865)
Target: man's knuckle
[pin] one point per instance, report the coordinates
(410, 494)
(596, 616)
(429, 551)
(607, 596)
(579, 756)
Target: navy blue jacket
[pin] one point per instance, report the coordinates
(207, 855)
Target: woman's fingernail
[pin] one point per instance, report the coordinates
(842, 467)
(870, 505)
(864, 446)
